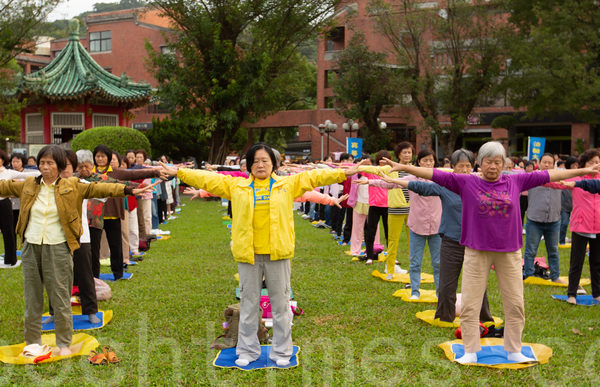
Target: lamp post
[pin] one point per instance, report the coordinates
(350, 126)
(322, 132)
(329, 128)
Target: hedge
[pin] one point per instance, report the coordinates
(117, 138)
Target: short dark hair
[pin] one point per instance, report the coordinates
(560, 163)
(401, 146)
(142, 152)
(72, 157)
(20, 156)
(4, 158)
(424, 153)
(255, 148)
(365, 156)
(103, 149)
(381, 154)
(547, 155)
(570, 161)
(32, 158)
(346, 156)
(57, 153)
(129, 151)
(115, 153)
(587, 156)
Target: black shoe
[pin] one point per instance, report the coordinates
(136, 259)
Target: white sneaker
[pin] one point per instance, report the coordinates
(399, 270)
(283, 362)
(163, 232)
(581, 290)
(467, 358)
(389, 277)
(305, 216)
(369, 261)
(414, 297)
(241, 362)
(171, 217)
(155, 231)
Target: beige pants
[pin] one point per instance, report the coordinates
(476, 271)
(125, 237)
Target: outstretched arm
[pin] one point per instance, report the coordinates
(425, 173)
(562, 174)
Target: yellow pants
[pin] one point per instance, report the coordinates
(395, 225)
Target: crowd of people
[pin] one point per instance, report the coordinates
(469, 212)
(468, 209)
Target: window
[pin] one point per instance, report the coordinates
(329, 102)
(65, 126)
(336, 39)
(100, 41)
(330, 76)
(158, 109)
(34, 128)
(105, 120)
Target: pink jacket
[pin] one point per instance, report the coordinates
(378, 197)
(585, 217)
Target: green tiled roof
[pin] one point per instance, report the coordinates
(74, 74)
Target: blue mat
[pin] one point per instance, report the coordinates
(132, 263)
(111, 277)
(226, 359)
(80, 322)
(263, 292)
(492, 354)
(587, 300)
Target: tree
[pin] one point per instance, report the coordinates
(450, 57)
(18, 18)
(555, 61)
(365, 86)
(10, 107)
(228, 58)
(117, 138)
(177, 138)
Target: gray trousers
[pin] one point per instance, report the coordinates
(277, 276)
(50, 266)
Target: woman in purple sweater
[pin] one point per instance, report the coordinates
(492, 235)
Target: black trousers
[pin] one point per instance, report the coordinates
(375, 213)
(348, 225)
(337, 219)
(84, 279)
(112, 227)
(7, 227)
(162, 210)
(452, 255)
(578, 246)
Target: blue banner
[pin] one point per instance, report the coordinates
(535, 148)
(354, 146)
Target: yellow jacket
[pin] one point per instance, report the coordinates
(69, 194)
(283, 192)
(396, 198)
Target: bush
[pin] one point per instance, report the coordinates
(117, 138)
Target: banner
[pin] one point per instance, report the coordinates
(354, 146)
(535, 147)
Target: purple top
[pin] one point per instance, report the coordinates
(491, 214)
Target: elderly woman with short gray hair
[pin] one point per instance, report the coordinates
(491, 233)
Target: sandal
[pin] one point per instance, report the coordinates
(110, 356)
(97, 358)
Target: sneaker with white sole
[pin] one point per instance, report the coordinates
(414, 297)
(399, 270)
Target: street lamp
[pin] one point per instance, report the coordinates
(329, 128)
(322, 132)
(350, 126)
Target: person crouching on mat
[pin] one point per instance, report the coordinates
(50, 226)
(263, 240)
(492, 235)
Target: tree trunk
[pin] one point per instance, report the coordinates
(219, 147)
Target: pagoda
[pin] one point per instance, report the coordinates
(74, 93)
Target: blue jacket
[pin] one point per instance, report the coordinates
(451, 207)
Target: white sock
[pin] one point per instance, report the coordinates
(283, 362)
(468, 357)
(241, 362)
(519, 357)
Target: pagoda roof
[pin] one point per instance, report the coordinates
(74, 74)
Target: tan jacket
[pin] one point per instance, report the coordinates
(69, 194)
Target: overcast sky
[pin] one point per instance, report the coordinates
(70, 8)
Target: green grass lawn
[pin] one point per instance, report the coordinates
(353, 332)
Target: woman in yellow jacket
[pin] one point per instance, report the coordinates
(263, 240)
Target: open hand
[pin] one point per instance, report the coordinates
(337, 201)
(192, 191)
(167, 170)
(138, 191)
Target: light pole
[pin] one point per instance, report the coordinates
(329, 128)
(350, 126)
(322, 132)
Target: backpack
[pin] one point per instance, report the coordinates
(230, 336)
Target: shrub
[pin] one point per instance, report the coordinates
(117, 138)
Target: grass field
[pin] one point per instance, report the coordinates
(353, 332)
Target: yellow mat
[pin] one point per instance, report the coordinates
(404, 278)
(237, 277)
(565, 246)
(426, 296)
(429, 317)
(81, 345)
(541, 352)
(540, 281)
